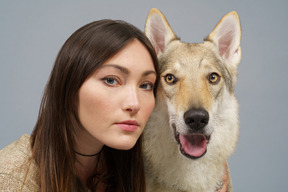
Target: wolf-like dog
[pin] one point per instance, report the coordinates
(194, 127)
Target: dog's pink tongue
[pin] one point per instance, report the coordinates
(193, 145)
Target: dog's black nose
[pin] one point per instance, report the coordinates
(196, 118)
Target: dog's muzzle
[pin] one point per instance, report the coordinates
(193, 144)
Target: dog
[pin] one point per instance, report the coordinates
(194, 126)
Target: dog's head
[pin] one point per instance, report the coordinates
(197, 83)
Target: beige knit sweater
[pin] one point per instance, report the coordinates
(18, 172)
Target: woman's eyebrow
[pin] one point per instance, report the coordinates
(122, 69)
(127, 71)
(146, 73)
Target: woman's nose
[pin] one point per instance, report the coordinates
(131, 101)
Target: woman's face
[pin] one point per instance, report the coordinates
(117, 100)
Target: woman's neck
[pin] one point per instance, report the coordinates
(87, 150)
(86, 144)
(85, 167)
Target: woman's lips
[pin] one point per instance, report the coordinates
(128, 125)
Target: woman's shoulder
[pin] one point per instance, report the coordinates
(14, 155)
(17, 168)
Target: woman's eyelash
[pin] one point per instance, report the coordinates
(149, 85)
(115, 81)
(111, 80)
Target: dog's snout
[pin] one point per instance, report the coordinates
(196, 118)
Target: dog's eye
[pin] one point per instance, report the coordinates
(170, 79)
(214, 78)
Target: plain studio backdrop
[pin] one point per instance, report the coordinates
(32, 33)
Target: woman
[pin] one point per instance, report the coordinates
(96, 103)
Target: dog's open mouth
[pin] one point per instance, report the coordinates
(193, 145)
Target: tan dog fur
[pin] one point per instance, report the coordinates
(191, 65)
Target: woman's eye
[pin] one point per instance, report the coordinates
(170, 79)
(112, 81)
(214, 78)
(147, 86)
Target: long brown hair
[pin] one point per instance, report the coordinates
(53, 137)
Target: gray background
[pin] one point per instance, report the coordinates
(32, 33)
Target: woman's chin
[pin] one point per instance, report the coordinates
(123, 145)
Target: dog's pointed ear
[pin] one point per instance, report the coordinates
(158, 30)
(226, 36)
